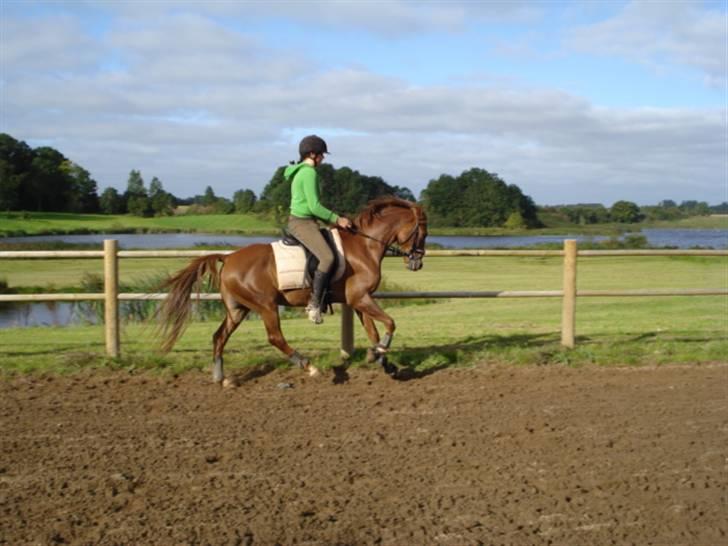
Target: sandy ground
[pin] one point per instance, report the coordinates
(489, 455)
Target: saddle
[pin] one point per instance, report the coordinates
(295, 264)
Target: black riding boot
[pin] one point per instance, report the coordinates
(318, 290)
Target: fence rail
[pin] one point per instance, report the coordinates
(75, 254)
(111, 295)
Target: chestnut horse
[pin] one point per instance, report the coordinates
(247, 282)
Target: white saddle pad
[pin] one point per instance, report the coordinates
(291, 263)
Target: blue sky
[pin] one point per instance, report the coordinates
(571, 101)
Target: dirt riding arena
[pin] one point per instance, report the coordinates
(490, 455)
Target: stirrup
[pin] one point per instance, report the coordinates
(314, 314)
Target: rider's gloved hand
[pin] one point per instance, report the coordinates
(344, 222)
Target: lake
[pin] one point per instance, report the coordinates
(678, 238)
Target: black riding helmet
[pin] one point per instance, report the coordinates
(312, 144)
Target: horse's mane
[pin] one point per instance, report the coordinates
(375, 206)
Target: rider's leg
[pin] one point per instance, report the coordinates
(307, 231)
(318, 290)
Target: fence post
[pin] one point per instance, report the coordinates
(111, 300)
(347, 330)
(568, 305)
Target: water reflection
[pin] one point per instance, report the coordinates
(50, 313)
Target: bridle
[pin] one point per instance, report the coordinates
(415, 252)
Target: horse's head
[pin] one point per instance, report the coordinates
(389, 220)
(411, 238)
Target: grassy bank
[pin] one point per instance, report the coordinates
(33, 223)
(715, 221)
(610, 331)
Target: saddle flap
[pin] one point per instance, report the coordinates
(293, 261)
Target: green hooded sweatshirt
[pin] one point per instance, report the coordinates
(305, 193)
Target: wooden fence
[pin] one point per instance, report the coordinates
(111, 296)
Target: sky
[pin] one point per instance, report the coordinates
(573, 102)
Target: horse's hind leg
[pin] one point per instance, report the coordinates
(235, 315)
(272, 322)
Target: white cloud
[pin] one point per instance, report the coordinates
(390, 18)
(196, 103)
(42, 45)
(662, 33)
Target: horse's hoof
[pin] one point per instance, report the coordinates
(390, 369)
(312, 370)
(228, 383)
(371, 355)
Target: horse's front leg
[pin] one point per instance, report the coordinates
(372, 333)
(272, 322)
(368, 310)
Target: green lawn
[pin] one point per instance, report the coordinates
(639, 331)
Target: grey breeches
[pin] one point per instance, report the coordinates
(307, 231)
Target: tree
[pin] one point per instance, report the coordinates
(625, 212)
(695, 208)
(111, 202)
(722, 208)
(137, 200)
(404, 193)
(209, 198)
(584, 214)
(83, 194)
(135, 184)
(276, 196)
(43, 179)
(244, 200)
(476, 198)
(48, 187)
(15, 161)
(343, 190)
(515, 221)
(223, 206)
(159, 200)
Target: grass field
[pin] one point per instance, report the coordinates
(639, 331)
(35, 223)
(715, 221)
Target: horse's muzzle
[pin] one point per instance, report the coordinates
(414, 264)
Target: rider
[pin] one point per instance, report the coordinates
(305, 210)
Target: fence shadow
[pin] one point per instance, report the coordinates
(249, 374)
(448, 355)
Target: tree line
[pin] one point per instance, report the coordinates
(43, 179)
(627, 212)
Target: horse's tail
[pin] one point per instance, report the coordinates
(176, 308)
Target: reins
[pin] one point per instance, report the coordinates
(388, 248)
